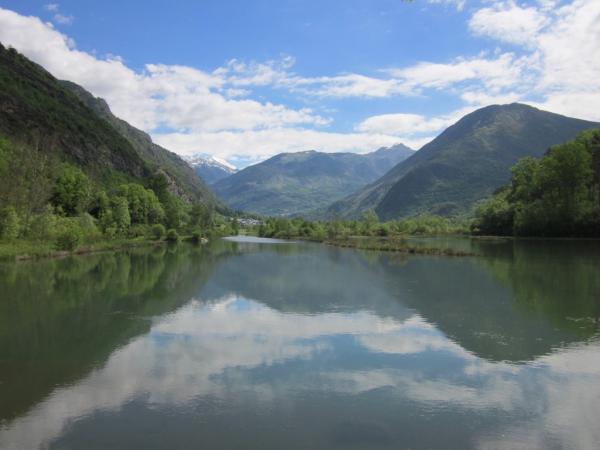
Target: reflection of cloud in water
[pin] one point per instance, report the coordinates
(186, 354)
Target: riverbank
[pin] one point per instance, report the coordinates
(28, 250)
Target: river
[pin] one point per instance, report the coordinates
(259, 344)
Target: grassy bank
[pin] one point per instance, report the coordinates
(392, 244)
(23, 250)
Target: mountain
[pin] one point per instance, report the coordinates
(210, 168)
(295, 183)
(72, 125)
(464, 164)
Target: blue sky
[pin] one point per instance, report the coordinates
(244, 80)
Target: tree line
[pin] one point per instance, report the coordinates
(557, 195)
(367, 226)
(46, 200)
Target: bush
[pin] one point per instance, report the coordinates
(172, 235)
(158, 231)
(42, 226)
(69, 235)
(87, 226)
(9, 223)
(137, 231)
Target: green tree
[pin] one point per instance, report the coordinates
(369, 220)
(120, 214)
(72, 191)
(144, 206)
(158, 231)
(9, 223)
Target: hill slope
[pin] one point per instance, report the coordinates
(294, 183)
(66, 121)
(464, 164)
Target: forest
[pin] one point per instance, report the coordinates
(557, 195)
(48, 205)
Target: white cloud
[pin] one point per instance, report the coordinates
(562, 44)
(509, 22)
(553, 63)
(256, 145)
(62, 19)
(178, 97)
(53, 7)
(459, 4)
(410, 124)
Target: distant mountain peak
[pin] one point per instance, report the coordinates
(464, 164)
(300, 182)
(210, 168)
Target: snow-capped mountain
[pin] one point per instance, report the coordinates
(210, 168)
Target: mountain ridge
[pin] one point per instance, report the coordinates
(69, 123)
(299, 182)
(464, 164)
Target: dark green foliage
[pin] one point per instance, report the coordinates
(9, 223)
(294, 183)
(200, 216)
(556, 195)
(495, 216)
(120, 214)
(72, 191)
(463, 165)
(144, 206)
(158, 231)
(172, 235)
(69, 235)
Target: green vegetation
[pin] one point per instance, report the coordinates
(366, 233)
(63, 210)
(73, 177)
(556, 195)
(393, 244)
(68, 124)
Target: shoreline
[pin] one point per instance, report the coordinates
(21, 254)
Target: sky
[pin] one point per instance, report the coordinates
(244, 80)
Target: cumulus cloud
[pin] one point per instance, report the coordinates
(202, 111)
(507, 21)
(547, 55)
(264, 143)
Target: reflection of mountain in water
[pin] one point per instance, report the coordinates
(296, 346)
(517, 302)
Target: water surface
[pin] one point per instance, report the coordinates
(256, 345)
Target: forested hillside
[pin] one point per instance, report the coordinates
(464, 164)
(71, 172)
(296, 183)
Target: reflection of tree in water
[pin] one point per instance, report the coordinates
(558, 279)
(64, 317)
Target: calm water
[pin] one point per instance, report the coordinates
(251, 345)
